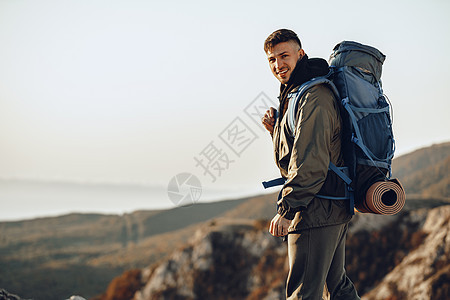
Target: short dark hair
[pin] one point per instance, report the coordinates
(280, 36)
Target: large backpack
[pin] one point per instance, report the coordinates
(367, 139)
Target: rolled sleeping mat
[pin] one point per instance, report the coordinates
(383, 198)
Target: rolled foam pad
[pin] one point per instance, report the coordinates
(384, 198)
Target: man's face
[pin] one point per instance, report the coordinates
(282, 59)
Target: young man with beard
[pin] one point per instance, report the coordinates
(316, 227)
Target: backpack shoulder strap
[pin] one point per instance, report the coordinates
(296, 96)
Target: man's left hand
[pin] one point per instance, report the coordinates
(279, 226)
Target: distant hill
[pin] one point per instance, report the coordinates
(82, 253)
(425, 172)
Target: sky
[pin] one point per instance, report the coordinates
(137, 92)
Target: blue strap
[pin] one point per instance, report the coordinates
(348, 181)
(379, 164)
(332, 198)
(341, 174)
(352, 200)
(273, 182)
(350, 196)
(355, 139)
(334, 168)
(346, 104)
(364, 149)
(370, 110)
(295, 96)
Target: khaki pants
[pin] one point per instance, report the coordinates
(316, 257)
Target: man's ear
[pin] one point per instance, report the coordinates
(301, 53)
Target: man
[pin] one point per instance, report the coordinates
(316, 227)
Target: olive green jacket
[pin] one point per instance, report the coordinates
(303, 161)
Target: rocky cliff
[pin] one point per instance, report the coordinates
(5, 295)
(425, 272)
(228, 260)
(389, 257)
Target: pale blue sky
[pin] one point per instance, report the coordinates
(131, 91)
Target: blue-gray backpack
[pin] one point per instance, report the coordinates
(367, 138)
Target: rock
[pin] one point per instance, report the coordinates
(4, 295)
(125, 286)
(425, 272)
(220, 263)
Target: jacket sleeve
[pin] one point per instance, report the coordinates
(310, 157)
